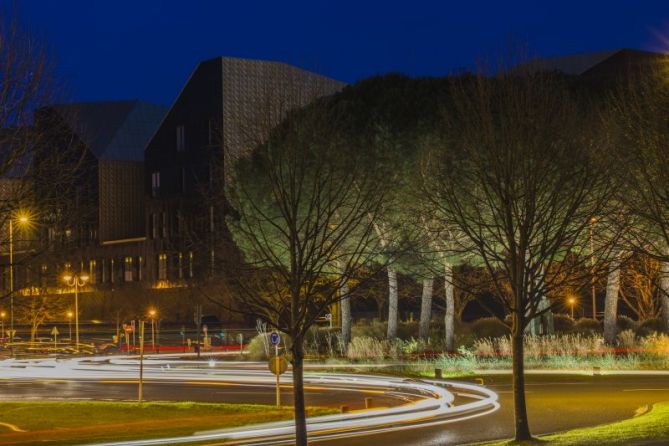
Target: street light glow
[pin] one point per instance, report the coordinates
(67, 277)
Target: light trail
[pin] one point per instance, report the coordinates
(432, 403)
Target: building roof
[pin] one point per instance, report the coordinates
(113, 130)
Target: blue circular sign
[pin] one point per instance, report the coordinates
(275, 338)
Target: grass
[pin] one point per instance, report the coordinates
(650, 428)
(60, 423)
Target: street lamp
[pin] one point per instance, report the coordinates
(152, 315)
(572, 302)
(593, 220)
(3, 314)
(21, 218)
(69, 319)
(75, 281)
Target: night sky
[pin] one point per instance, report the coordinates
(146, 49)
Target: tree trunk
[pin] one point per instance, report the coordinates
(664, 293)
(426, 309)
(345, 315)
(298, 393)
(522, 424)
(449, 318)
(393, 301)
(611, 302)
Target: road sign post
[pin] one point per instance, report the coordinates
(55, 334)
(198, 323)
(141, 358)
(274, 365)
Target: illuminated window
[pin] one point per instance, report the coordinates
(139, 268)
(162, 267)
(190, 264)
(181, 265)
(127, 269)
(92, 270)
(111, 270)
(181, 138)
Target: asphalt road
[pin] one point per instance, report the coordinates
(555, 402)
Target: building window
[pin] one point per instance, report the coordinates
(154, 225)
(155, 183)
(211, 219)
(127, 269)
(181, 266)
(139, 268)
(92, 271)
(162, 267)
(181, 138)
(183, 179)
(164, 224)
(190, 264)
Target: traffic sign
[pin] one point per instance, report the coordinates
(278, 365)
(54, 331)
(275, 338)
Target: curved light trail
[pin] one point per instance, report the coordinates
(430, 402)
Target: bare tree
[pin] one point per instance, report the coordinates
(640, 279)
(304, 206)
(515, 169)
(639, 119)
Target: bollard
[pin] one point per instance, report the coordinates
(437, 373)
(344, 409)
(368, 403)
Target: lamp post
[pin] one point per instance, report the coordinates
(69, 320)
(23, 219)
(3, 314)
(593, 220)
(152, 314)
(572, 302)
(75, 281)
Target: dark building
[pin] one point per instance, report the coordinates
(228, 106)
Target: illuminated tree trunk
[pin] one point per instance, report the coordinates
(393, 301)
(298, 393)
(345, 315)
(449, 318)
(611, 302)
(664, 293)
(522, 425)
(426, 309)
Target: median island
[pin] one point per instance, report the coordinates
(651, 428)
(60, 423)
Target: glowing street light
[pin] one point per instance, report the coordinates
(69, 319)
(3, 315)
(572, 301)
(22, 218)
(152, 315)
(75, 281)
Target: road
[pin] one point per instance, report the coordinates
(556, 402)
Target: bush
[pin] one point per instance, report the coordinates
(489, 327)
(625, 323)
(627, 339)
(587, 326)
(563, 323)
(650, 326)
(258, 348)
(366, 348)
(371, 329)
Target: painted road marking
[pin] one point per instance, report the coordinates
(12, 427)
(644, 390)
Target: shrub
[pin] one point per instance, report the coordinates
(489, 327)
(656, 343)
(365, 347)
(627, 339)
(625, 323)
(587, 326)
(258, 348)
(650, 326)
(371, 329)
(563, 323)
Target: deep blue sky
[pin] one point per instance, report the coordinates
(115, 49)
